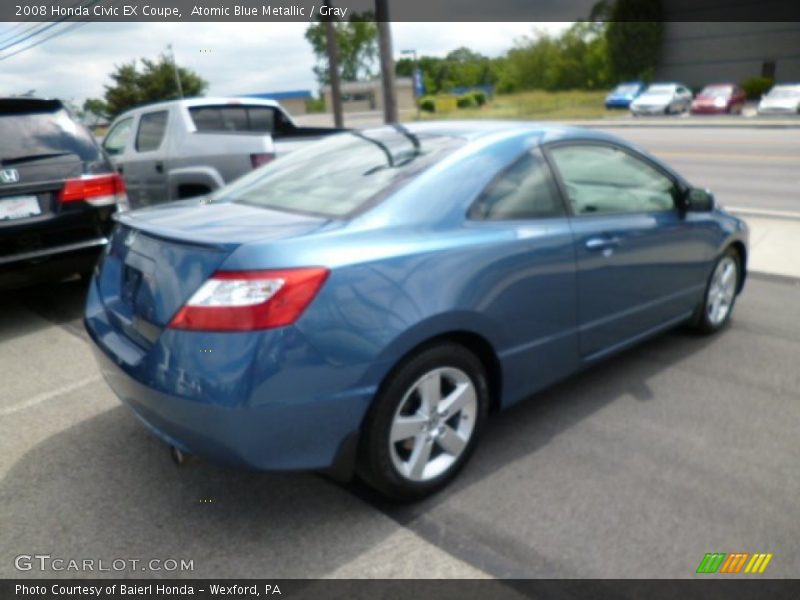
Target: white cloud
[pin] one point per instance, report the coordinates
(234, 58)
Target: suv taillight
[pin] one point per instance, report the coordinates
(97, 190)
(249, 300)
(260, 159)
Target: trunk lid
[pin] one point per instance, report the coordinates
(158, 257)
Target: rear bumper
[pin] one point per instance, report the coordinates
(648, 110)
(49, 266)
(709, 110)
(53, 245)
(45, 253)
(262, 400)
(777, 111)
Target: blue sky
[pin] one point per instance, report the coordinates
(234, 58)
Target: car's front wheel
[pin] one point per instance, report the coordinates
(720, 296)
(425, 422)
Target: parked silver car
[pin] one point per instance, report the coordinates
(662, 99)
(184, 148)
(783, 99)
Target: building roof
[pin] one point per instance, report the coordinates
(286, 95)
(355, 87)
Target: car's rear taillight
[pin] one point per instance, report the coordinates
(260, 159)
(248, 300)
(97, 190)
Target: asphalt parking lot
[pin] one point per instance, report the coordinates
(635, 468)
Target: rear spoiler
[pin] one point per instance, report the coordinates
(23, 105)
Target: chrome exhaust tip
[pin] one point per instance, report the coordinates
(179, 457)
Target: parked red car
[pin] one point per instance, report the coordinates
(719, 98)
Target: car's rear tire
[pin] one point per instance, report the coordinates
(719, 298)
(425, 423)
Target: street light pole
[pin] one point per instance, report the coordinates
(175, 70)
(333, 69)
(414, 68)
(387, 62)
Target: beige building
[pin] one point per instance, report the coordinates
(362, 96)
(294, 102)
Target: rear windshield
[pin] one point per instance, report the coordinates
(784, 92)
(660, 89)
(233, 118)
(717, 91)
(28, 130)
(627, 88)
(341, 174)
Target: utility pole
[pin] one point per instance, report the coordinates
(415, 73)
(175, 70)
(333, 68)
(387, 61)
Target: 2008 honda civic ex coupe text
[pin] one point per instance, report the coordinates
(361, 305)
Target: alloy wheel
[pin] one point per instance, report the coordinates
(433, 424)
(722, 291)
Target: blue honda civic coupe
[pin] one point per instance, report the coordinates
(361, 305)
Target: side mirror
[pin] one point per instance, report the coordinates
(698, 200)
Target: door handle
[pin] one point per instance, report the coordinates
(602, 243)
(160, 167)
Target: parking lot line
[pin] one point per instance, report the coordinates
(45, 396)
(736, 157)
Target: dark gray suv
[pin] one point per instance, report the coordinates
(58, 192)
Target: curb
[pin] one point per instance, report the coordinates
(773, 277)
(641, 124)
(762, 213)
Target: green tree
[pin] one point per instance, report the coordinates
(154, 81)
(357, 40)
(460, 68)
(633, 36)
(95, 106)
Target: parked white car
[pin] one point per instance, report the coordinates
(783, 99)
(662, 99)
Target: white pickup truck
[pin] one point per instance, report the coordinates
(184, 148)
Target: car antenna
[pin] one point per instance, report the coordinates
(404, 130)
(380, 145)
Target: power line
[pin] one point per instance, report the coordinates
(67, 29)
(15, 27)
(42, 29)
(12, 36)
(36, 24)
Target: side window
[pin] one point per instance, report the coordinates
(118, 137)
(525, 190)
(222, 119)
(151, 131)
(262, 118)
(603, 179)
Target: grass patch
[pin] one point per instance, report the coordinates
(538, 105)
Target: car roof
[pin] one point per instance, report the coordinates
(484, 128)
(203, 101)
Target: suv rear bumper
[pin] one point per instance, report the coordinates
(45, 253)
(19, 271)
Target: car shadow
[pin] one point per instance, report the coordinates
(56, 303)
(532, 423)
(105, 488)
